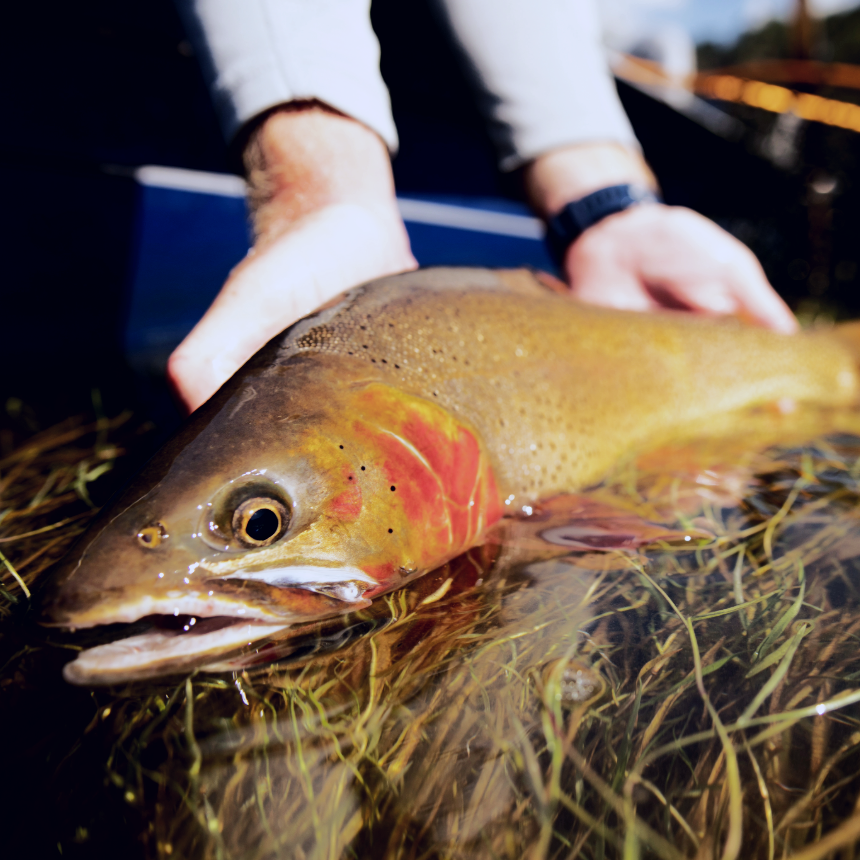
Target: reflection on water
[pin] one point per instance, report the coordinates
(664, 666)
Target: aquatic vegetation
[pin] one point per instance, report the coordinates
(688, 698)
(45, 497)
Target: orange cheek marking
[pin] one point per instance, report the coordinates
(454, 460)
(444, 483)
(418, 497)
(418, 492)
(487, 509)
(381, 573)
(347, 506)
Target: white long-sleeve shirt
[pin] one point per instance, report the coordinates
(538, 64)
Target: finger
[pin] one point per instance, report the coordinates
(758, 299)
(709, 296)
(330, 252)
(712, 272)
(623, 293)
(596, 279)
(241, 319)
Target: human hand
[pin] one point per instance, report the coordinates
(326, 221)
(650, 256)
(653, 256)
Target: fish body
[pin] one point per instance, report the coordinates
(385, 434)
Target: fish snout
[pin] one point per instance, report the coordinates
(121, 578)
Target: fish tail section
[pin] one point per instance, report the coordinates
(847, 337)
(848, 334)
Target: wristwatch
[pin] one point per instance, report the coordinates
(566, 227)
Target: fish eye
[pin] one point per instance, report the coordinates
(151, 535)
(260, 521)
(245, 514)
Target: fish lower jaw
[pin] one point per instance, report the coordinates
(166, 652)
(195, 606)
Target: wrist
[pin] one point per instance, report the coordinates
(305, 158)
(566, 226)
(570, 173)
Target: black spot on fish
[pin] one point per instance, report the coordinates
(384, 361)
(364, 346)
(391, 531)
(341, 447)
(397, 367)
(393, 488)
(362, 468)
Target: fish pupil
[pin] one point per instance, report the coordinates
(262, 524)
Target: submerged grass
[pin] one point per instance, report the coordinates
(694, 699)
(45, 498)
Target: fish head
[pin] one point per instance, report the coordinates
(286, 500)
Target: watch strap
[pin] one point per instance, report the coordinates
(575, 218)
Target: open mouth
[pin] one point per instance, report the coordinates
(183, 631)
(172, 644)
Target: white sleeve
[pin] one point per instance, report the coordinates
(261, 53)
(541, 72)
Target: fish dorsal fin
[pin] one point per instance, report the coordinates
(531, 282)
(524, 281)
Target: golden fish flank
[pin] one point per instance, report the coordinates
(382, 436)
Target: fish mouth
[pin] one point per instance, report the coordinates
(163, 651)
(230, 613)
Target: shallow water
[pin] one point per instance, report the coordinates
(677, 698)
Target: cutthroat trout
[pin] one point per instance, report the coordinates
(384, 435)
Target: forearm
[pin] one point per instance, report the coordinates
(541, 73)
(257, 54)
(305, 157)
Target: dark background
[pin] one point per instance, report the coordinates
(97, 88)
